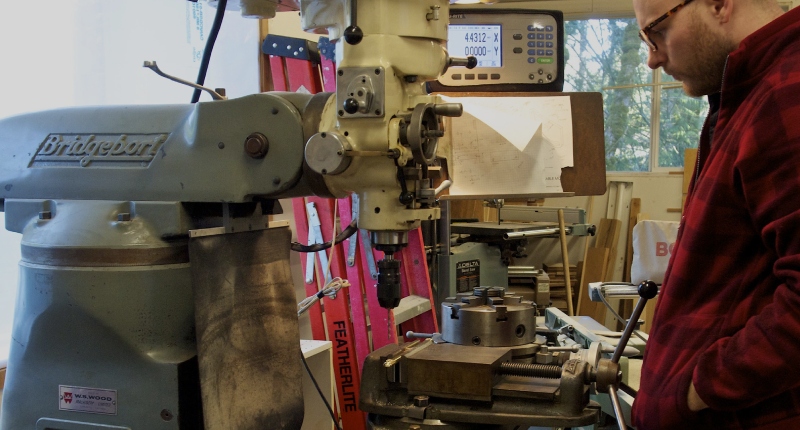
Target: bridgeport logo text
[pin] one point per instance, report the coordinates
(119, 150)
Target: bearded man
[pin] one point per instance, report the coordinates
(724, 349)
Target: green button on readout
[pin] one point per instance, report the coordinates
(545, 60)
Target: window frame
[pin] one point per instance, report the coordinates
(657, 85)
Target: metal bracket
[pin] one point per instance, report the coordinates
(365, 85)
(314, 238)
(373, 270)
(353, 240)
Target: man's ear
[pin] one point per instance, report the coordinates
(721, 9)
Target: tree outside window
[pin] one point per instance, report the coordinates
(649, 121)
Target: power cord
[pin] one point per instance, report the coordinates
(321, 395)
(330, 290)
(212, 38)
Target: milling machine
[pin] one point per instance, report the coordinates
(154, 293)
(150, 273)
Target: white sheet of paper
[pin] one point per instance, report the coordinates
(510, 145)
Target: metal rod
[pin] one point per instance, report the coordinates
(154, 67)
(533, 233)
(521, 268)
(612, 392)
(412, 335)
(565, 259)
(353, 153)
(444, 227)
(626, 334)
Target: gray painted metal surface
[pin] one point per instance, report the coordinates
(119, 331)
(188, 153)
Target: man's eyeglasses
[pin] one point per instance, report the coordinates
(644, 33)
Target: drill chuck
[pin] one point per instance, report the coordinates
(389, 283)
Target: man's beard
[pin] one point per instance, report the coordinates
(703, 75)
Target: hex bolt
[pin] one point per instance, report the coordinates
(45, 215)
(421, 401)
(256, 145)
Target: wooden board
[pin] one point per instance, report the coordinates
(588, 175)
(689, 162)
(647, 314)
(594, 268)
(466, 209)
(636, 207)
(607, 237)
(689, 166)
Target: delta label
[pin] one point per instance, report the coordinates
(89, 400)
(88, 150)
(468, 275)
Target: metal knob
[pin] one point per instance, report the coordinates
(469, 62)
(350, 106)
(448, 109)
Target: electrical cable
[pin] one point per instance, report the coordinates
(347, 232)
(212, 38)
(330, 290)
(321, 395)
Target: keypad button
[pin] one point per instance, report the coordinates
(540, 44)
(549, 36)
(531, 36)
(531, 28)
(548, 28)
(457, 77)
(483, 76)
(540, 52)
(517, 36)
(548, 53)
(469, 76)
(549, 44)
(532, 59)
(531, 44)
(495, 76)
(518, 50)
(531, 52)
(541, 36)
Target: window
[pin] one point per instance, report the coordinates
(649, 121)
(98, 61)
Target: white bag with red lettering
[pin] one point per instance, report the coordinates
(652, 247)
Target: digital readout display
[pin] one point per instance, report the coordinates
(480, 41)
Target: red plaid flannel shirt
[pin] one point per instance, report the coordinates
(728, 318)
